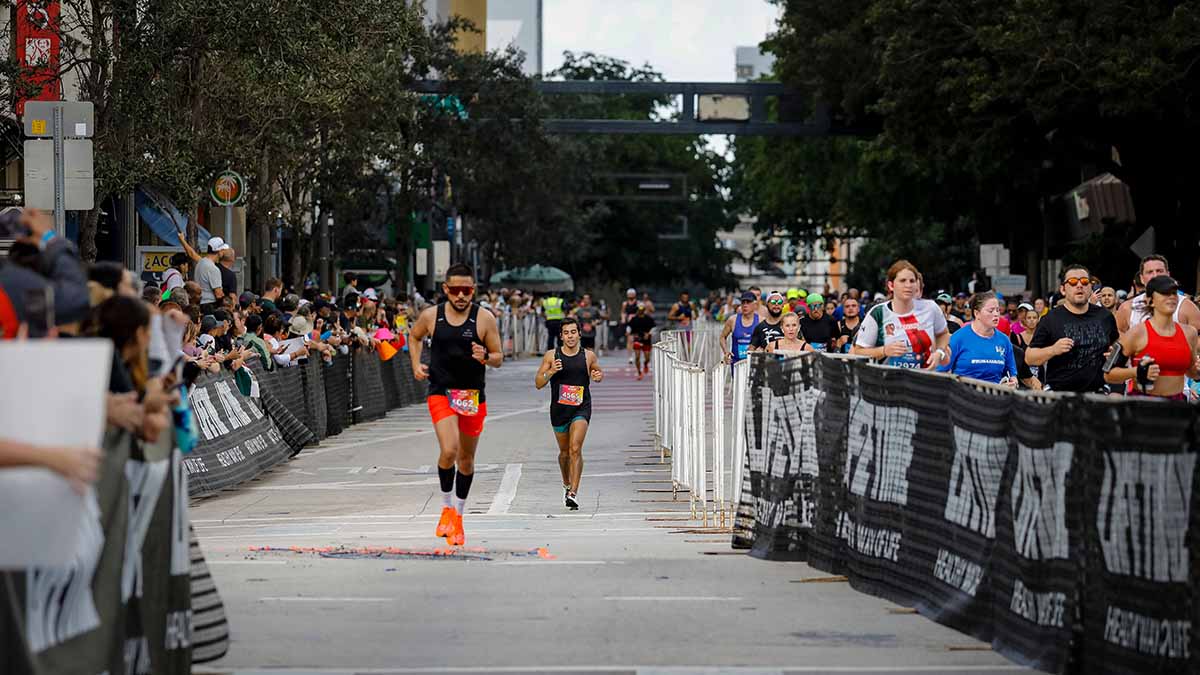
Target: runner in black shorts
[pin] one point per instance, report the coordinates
(570, 369)
(465, 341)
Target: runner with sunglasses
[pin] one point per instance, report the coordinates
(464, 341)
(769, 329)
(1071, 340)
(570, 369)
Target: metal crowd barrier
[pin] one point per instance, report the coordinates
(527, 337)
(690, 381)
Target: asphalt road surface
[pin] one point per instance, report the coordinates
(616, 587)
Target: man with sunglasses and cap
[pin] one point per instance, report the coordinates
(769, 329)
(741, 326)
(464, 341)
(1072, 339)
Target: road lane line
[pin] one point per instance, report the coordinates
(674, 598)
(288, 598)
(507, 491)
(400, 437)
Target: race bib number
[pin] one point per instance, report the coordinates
(818, 346)
(570, 394)
(740, 350)
(909, 360)
(465, 402)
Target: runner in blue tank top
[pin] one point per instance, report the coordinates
(741, 327)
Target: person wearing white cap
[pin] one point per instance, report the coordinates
(209, 277)
(628, 311)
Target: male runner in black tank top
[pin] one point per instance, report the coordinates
(569, 370)
(464, 341)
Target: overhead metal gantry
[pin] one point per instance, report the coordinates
(738, 108)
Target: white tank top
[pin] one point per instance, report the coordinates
(1138, 312)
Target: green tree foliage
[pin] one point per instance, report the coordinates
(996, 108)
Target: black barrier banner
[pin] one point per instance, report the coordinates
(368, 388)
(337, 394)
(1141, 533)
(283, 397)
(391, 387)
(123, 604)
(1031, 521)
(782, 455)
(237, 441)
(315, 408)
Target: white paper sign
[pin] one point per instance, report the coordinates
(51, 393)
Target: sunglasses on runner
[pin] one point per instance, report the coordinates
(1077, 281)
(775, 302)
(460, 290)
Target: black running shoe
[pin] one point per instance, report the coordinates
(571, 502)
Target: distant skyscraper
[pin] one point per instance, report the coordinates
(752, 63)
(517, 22)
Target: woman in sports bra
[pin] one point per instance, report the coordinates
(790, 344)
(1158, 354)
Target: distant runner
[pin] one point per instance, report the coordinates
(587, 314)
(642, 329)
(570, 369)
(681, 312)
(628, 311)
(741, 327)
(464, 341)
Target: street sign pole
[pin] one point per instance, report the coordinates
(60, 186)
(229, 224)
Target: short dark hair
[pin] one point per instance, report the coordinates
(1153, 256)
(272, 324)
(349, 278)
(179, 259)
(273, 283)
(253, 323)
(569, 321)
(1073, 266)
(460, 270)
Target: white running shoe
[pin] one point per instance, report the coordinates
(572, 503)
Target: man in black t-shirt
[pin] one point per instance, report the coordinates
(1071, 341)
(818, 328)
(768, 330)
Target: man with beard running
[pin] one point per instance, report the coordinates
(464, 341)
(569, 369)
(769, 329)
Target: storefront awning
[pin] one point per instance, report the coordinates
(161, 216)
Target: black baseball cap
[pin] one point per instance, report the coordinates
(747, 296)
(1163, 285)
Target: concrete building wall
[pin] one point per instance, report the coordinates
(519, 23)
(751, 63)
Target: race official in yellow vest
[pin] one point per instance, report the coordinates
(553, 311)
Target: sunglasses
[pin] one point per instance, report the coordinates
(1077, 281)
(460, 290)
(775, 302)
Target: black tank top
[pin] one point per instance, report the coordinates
(630, 308)
(451, 365)
(569, 387)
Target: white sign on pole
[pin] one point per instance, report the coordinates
(80, 190)
(1010, 284)
(441, 259)
(422, 259)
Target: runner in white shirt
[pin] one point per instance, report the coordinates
(906, 332)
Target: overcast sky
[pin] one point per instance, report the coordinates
(685, 40)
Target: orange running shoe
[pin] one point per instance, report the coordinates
(446, 523)
(456, 537)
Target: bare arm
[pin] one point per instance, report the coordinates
(1131, 343)
(491, 339)
(1189, 314)
(1194, 340)
(546, 370)
(593, 365)
(726, 331)
(192, 254)
(1122, 316)
(942, 345)
(416, 342)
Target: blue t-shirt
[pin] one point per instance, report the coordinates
(988, 359)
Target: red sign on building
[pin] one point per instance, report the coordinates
(38, 43)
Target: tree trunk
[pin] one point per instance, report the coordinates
(87, 234)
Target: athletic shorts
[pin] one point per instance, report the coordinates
(562, 429)
(643, 347)
(471, 425)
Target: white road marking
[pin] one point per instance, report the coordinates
(673, 598)
(247, 562)
(507, 492)
(639, 670)
(553, 562)
(340, 485)
(352, 518)
(289, 598)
